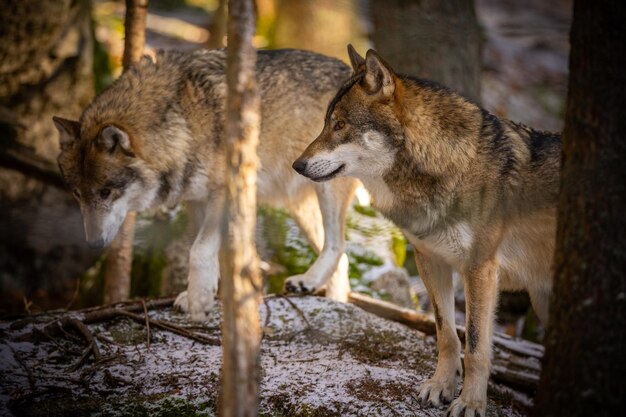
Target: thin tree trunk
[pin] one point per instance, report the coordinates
(434, 39)
(324, 26)
(217, 28)
(120, 256)
(241, 281)
(584, 368)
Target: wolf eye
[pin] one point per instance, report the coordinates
(76, 193)
(105, 193)
(339, 124)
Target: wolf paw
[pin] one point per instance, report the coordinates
(464, 408)
(198, 305)
(435, 393)
(299, 284)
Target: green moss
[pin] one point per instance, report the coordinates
(149, 258)
(365, 210)
(102, 74)
(373, 346)
(127, 332)
(287, 246)
(281, 406)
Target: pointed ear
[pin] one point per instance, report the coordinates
(379, 77)
(68, 131)
(355, 59)
(112, 138)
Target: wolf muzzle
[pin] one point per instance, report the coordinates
(300, 166)
(96, 243)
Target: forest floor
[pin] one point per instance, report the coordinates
(318, 358)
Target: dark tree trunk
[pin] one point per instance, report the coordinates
(46, 69)
(240, 284)
(584, 367)
(120, 256)
(434, 39)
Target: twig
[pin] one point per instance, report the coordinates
(295, 307)
(84, 330)
(103, 315)
(145, 312)
(31, 378)
(81, 360)
(268, 315)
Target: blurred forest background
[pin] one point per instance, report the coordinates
(509, 55)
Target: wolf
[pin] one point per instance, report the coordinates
(472, 193)
(155, 138)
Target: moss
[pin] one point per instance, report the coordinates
(365, 210)
(286, 245)
(373, 346)
(149, 257)
(102, 74)
(280, 405)
(398, 246)
(127, 332)
(371, 390)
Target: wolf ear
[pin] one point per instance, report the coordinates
(113, 137)
(355, 59)
(379, 78)
(68, 130)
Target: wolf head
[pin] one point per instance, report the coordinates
(381, 120)
(105, 175)
(361, 131)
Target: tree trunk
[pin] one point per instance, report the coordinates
(46, 69)
(584, 366)
(434, 39)
(324, 26)
(240, 279)
(217, 28)
(120, 256)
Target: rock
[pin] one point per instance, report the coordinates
(393, 282)
(319, 358)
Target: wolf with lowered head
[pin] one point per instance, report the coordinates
(156, 137)
(472, 193)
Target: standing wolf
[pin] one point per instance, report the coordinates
(472, 193)
(156, 137)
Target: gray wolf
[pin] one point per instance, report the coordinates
(156, 137)
(472, 193)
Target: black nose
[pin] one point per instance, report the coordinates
(299, 165)
(96, 243)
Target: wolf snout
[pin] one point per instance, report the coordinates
(300, 166)
(96, 243)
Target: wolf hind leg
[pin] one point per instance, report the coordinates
(437, 277)
(326, 223)
(540, 299)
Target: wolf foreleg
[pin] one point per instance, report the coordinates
(204, 270)
(481, 293)
(330, 269)
(437, 277)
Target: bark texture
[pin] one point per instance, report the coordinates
(120, 256)
(241, 287)
(46, 69)
(584, 367)
(324, 26)
(434, 39)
